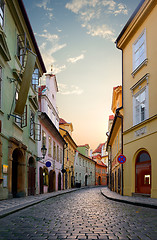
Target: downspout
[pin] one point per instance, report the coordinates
(117, 111)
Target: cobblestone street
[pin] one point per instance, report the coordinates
(84, 214)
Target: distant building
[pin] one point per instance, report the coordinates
(50, 176)
(114, 142)
(66, 130)
(84, 167)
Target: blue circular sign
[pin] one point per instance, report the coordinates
(48, 164)
(121, 159)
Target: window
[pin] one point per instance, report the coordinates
(35, 128)
(57, 153)
(35, 79)
(139, 50)
(54, 150)
(32, 118)
(50, 146)
(61, 155)
(2, 13)
(20, 49)
(0, 87)
(43, 138)
(140, 111)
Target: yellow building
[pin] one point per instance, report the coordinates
(66, 130)
(139, 51)
(114, 143)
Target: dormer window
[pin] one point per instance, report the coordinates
(2, 13)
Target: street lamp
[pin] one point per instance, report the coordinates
(43, 150)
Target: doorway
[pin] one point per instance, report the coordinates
(143, 173)
(31, 176)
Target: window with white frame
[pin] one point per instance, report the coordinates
(2, 13)
(35, 79)
(140, 108)
(139, 50)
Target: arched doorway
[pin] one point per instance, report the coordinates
(52, 181)
(41, 180)
(59, 181)
(99, 180)
(31, 176)
(86, 177)
(18, 176)
(143, 173)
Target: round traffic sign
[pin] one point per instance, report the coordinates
(48, 164)
(121, 159)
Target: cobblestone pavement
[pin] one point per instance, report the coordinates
(83, 214)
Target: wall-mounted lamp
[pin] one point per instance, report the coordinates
(43, 151)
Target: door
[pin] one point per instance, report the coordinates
(143, 173)
(31, 177)
(41, 180)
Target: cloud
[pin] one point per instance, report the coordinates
(101, 31)
(49, 46)
(43, 5)
(69, 90)
(74, 60)
(91, 13)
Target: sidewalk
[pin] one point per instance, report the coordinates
(9, 206)
(138, 201)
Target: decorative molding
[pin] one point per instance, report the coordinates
(145, 77)
(140, 131)
(139, 67)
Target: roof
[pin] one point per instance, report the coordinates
(85, 145)
(62, 121)
(98, 149)
(111, 117)
(40, 89)
(24, 13)
(129, 21)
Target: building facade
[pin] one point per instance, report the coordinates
(84, 167)
(114, 142)
(21, 65)
(137, 42)
(50, 176)
(65, 130)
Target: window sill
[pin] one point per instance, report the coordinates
(1, 112)
(139, 67)
(32, 139)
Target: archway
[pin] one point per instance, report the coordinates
(86, 177)
(18, 176)
(41, 180)
(59, 181)
(31, 176)
(143, 173)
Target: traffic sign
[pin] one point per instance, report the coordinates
(121, 159)
(48, 164)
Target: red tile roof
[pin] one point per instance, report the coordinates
(40, 89)
(62, 121)
(98, 149)
(111, 117)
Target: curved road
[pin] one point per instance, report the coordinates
(84, 214)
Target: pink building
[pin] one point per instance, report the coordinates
(49, 168)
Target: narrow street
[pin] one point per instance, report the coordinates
(84, 214)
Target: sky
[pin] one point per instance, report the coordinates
(77, 38)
